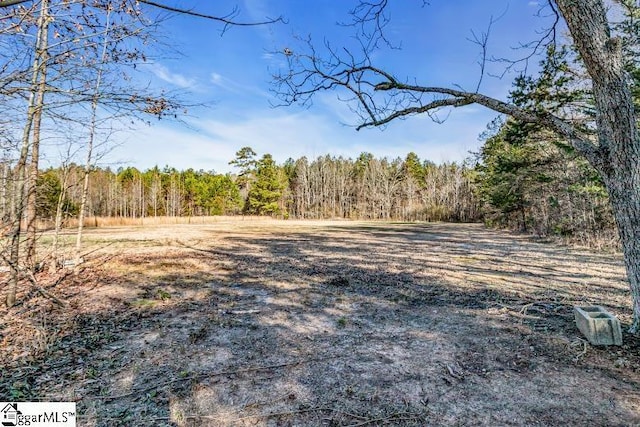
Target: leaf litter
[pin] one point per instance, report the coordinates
(334, 323)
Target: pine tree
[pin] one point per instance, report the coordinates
(267, 189)
(246, 162)
(530, 179)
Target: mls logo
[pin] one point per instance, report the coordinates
(9, 415)
(37, 413)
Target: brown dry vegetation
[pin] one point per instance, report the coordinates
(286, 323)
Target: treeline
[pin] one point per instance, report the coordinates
(528, 180)
(327, 187)
(523, 179)
(130, 193)
(531, 179)
(371, 188)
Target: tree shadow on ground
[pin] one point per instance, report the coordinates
(390, 325)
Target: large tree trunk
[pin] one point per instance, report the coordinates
(624, 191)
(618, 157)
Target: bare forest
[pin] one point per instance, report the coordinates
(553, 195)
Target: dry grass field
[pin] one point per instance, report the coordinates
(332, 323)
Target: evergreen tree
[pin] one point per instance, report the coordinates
(413, 168)
(267, 190)
(532, 180)
(246, 162)
(48, 192)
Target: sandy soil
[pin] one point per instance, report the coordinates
(286, 323)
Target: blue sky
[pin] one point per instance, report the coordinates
(232, 72)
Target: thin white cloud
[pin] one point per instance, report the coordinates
(258, 11)
(235, 87)
(176, 79)
(212, 143)
(170, 144)
(216, 79)
(280, 134)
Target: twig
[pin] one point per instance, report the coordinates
(453, 373)
(205, 375)
(99, 248)
(239, 312)
(60, 279)
(43, 291)
(525, 308)
(395, 417)
(576, 343)
(224, 20)
(364, 422)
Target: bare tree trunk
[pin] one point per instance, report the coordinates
(5, 189)
(92, 133)
(85, 192)
(20, 175)
(19, 199)
(58, 222)
(42, 56)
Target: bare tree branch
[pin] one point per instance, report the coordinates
(379, 98)
(547, 38)
(457, 98)
(226, 20)
(7, 3)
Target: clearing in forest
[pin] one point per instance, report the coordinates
(325, 323)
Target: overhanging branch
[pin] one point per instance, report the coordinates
(7, 3)
(457, 98)
(226, 20)
(439, 103)
(379, 98)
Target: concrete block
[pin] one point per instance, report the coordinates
(598, 325)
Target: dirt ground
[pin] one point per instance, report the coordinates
(334, 323)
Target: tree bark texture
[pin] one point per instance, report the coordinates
(32, 180)
(618, 142)
(19, 191)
